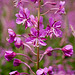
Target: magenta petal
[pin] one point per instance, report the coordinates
(18, 42)
(33, 31)
(43, 38)
(47, 28)
(40, 71)
(29, 23)
(62, 3)
(11, 32)
(32, 17)
(11, 39)
(41, 19)
(41, 26)
(34, 1)
(29, 39)
(21, 8)
(35, 43)
(45, 70)
(19, 21)
(68, 47)
(21, 13)
(57, 32)
(42, 43)
(62, 11)
(14, 73)
(27, 12)
(57, 24)
(51, 21)
(17, 15)
(42, 33)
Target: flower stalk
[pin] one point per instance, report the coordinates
(28, 67)
(38, 34)
(25, 56)
(29, 48)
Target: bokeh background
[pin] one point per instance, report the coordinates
(8, 20)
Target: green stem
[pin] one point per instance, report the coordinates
(38, 34)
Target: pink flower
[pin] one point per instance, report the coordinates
(42, 71)
(68, 50)
(18, 42)
(45, 71)
(23, 17)
(61, 9)
(9, 55)
(53, 28)
(16, 62)
(12, 35)
(50, 70)
(48, 51)
(34, 37)
(17, 3)
(34, 21)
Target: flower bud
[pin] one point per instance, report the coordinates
(50, 70)
(12, 35)
(61, 8)
(14, 73)
(48, 51)
(68, 50)
(9, 55)
(18, 42)
(16, 62)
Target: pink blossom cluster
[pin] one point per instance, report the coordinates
(37, 36)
